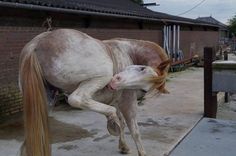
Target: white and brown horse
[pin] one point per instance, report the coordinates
(83, 66)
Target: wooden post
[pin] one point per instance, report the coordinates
(221, 52)
(225, 55)
(210, 98)
(226, 94)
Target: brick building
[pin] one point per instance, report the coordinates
(21, 20)
(223, 29)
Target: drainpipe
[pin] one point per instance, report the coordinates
(169, 42)
(178, 37)
(164, 38)
(174, 41)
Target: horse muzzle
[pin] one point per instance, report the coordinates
(112, 85)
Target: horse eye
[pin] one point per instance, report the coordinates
(142, 68)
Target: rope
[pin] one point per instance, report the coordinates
(48, 23)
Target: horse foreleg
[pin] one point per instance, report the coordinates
(82, 98)
(129, 111)
(124, 149)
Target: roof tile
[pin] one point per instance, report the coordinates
(123, 8)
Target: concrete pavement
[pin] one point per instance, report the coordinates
(163, 122)
(210, 137)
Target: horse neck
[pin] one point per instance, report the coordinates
(119, 55)
(125, 52)
(146, 53)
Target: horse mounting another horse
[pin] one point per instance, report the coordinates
(83, 67)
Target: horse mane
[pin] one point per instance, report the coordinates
(161, 68)
(118, 65)
(111, 54)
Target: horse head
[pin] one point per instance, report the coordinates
(141, 77)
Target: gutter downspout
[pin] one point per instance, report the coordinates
(174, 41)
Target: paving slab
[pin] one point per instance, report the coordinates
(163, 122)
(211, 137)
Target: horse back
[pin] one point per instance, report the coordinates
(68, 57)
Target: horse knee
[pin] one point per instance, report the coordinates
(76, 101)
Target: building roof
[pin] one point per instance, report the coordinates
(212, 20)
(116, 8)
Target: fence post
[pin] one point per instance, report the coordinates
(226, 94)
(210, 98)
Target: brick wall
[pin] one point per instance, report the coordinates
(194, 41)
(151, 35)
(12, 40)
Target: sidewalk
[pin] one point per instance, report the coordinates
(163, 122)
(211, 137)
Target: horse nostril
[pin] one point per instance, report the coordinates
(118, 78)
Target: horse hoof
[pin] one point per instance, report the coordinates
(113, 125)
(142, 154)
(124, 150)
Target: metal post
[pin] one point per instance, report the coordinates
(210, 98)
(226, 94)
(169, 42)
(225, 55)
(174, 40)
(164, 37)
(178, 33)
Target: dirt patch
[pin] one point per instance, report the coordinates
(101, 138)
(160, 133)
(61, 132)
(149, 122)
(156, 135)
(68, 147)
(12, 128)
(215, 130)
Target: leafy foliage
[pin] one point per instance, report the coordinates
(232, 25)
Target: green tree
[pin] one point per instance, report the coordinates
(138, 1)
(232, 25)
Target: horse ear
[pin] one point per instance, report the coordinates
(163, 65)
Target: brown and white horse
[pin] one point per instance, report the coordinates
(83, 66)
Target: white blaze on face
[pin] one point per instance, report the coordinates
(133, 77)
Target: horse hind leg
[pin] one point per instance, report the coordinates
(82, 98)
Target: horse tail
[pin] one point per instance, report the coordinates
(34, 104)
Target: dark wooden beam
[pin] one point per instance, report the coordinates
(226, 94)
(210, 97)
(149, 4)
